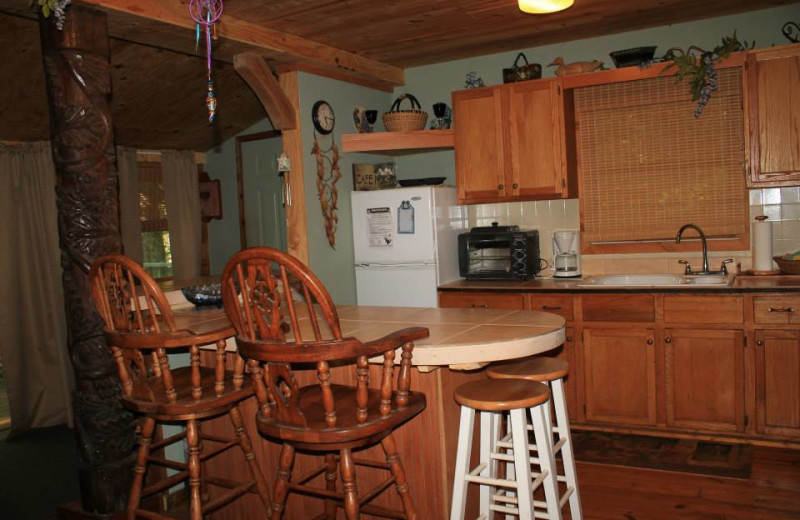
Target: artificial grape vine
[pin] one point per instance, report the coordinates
(702, 73)
(56, 7)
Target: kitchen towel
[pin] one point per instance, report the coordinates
(762, 244)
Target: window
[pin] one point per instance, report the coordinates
(156, 254)
(647, 166)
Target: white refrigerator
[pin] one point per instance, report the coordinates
(405, 244)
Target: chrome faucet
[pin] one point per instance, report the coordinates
(705, 247)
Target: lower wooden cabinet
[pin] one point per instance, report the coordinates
(620, 375)
(704, 379)
(778, 382)
(482, 300)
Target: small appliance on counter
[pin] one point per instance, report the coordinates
(566, 253)
(498, 253)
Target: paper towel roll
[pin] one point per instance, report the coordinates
(762, 244)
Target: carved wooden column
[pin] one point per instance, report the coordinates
(76, 63)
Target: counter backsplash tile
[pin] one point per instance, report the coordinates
(782, 205)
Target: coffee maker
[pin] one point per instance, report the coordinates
(566, 253)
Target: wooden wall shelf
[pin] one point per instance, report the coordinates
(398, 143)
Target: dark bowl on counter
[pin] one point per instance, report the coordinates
(210, 294)
(632, 57)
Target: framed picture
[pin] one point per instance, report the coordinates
(367, 177)
(210, 199)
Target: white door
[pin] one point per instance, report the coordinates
(264, 213)
(393, 226)
(400, 286)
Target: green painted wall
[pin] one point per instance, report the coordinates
(334, 266)
(434, 83)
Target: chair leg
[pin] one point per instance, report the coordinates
(281, 490)
(330, 484)
(399, 473)
(193, 441)
(459, 505)
(349, 486)
(519, 439)
(567, 454)
(544, 445)
(145, 438)
(250, 457)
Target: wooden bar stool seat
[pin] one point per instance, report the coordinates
(141, 332)
(551, 371)
(512, 495)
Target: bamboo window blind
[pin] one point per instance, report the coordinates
(152, 208)
(646, 165)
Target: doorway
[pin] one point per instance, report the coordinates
(262, 192)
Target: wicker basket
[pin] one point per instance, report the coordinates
(787, 266)
(396, 120)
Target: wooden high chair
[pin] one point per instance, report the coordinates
(140, 330)
(284, 316)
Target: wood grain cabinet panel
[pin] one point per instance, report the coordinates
(704, 379)
(724, 309)
(778, 382)
(620, 376)
(482, 300)
(509, 142)
(560, 304)
(776, 310)
(773, 83)
(618, 307)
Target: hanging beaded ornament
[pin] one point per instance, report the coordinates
(207, 13)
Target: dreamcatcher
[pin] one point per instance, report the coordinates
(328, 174)
(206, 13)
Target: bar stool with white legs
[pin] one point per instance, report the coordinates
(493, 398)
(551, 371)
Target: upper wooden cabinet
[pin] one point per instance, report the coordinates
(509, 142)
(773, 82)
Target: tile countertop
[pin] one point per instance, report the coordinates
(742, 283)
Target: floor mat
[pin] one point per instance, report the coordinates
(683, 455)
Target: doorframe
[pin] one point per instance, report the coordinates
(270, 134)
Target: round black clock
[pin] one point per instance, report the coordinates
(323, 117)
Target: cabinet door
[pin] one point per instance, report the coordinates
(704, 386)
(620, 376)
(774, 111)
(778, 382)
(534, 139)
(482, 300)
(480, 155)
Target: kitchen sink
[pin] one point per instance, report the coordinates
(652, 280)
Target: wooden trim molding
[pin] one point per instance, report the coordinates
(257, 74)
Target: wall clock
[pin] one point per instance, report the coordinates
(323, 117)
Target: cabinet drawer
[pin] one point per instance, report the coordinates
(482, 300)
(703, 309)
(783, 310)
(618, 307)
(560, 304)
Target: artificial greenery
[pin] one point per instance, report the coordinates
(55, 7)
(698, 66)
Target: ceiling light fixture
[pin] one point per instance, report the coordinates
(543, 6)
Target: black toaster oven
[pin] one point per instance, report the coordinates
(498, 253)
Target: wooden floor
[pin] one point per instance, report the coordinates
(622, 493)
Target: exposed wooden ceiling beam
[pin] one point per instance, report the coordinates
(255, 71)
(134, 16)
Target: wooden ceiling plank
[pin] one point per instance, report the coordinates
(256, 73)
(259, 38)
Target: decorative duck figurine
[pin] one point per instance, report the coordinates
(575, 67)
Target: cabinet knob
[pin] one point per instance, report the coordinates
(760, 343)
(480, 305)
(515, 185)
(780, 309)
(649, 341)
(500, 186)
(569, 339)
(668, 340)
(551, 307)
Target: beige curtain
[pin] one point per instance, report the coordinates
(34, 345)
(182, 197)
(130, 223)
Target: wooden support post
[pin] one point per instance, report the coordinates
(77, 73)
